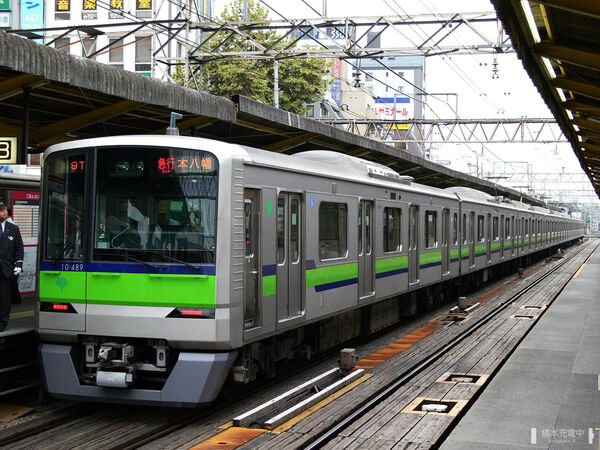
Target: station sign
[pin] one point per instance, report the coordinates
(4, 5)
(8, 150)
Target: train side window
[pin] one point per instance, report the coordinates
(480, 229)
(248, 226)
(360, 231)
(368, 228)
(333, 230)
(65, 223)
(455, 229)
(391, 229)
(294, 230)
(431, 229)
(507, 228)
(464, 229)
(495, 230)
(280, 230)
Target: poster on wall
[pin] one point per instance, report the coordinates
(25, 214)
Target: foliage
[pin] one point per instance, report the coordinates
(300, 80)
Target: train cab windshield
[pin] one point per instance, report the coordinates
(150, 205)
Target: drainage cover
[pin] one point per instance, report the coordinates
(463, 378)
(534, 307)
(423, 405)
(522, 316)
(438, 406)
(434, 407)
(460, 378)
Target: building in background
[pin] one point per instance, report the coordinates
(128, 34)
(395, 81)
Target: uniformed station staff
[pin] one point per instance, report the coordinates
(11, 262)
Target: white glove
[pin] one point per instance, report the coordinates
(17, 271)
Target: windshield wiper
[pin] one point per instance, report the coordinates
(131, 258)
(176, 260)
(68, 246)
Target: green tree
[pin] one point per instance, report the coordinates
(300, 80)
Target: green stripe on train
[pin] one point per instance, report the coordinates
(269, 285)
(430, 257)
(130, 289)
(331, 274)
(495, 246)
(389, 264)
(480, 249)
(454, 253)
(464, 252)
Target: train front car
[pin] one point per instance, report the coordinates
(131, 307)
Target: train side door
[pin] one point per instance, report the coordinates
(445, 241)
(251, 258)
(365, 249)
(289, 255)
(413, 244)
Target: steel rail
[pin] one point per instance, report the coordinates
(330, 433)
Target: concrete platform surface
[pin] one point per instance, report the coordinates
(22, 318)
(547, 395)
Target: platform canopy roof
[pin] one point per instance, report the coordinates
(558, 42)
(70, 97)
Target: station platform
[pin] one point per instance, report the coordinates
(22, 318)
(547, 394)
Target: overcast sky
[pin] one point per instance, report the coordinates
(511, 95)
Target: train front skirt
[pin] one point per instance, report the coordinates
(195, 379)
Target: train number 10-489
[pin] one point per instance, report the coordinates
(73, 267)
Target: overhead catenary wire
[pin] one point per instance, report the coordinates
(161, 29)
(393, 88)
(469, 83)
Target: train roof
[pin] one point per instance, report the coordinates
(322, 162)
(467, 193)
(341, 166)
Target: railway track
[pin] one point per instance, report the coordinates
(331, 432)
(169, 420)
(149, 425)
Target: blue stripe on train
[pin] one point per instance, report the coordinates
(391, 272)
(336, 284)
(433, 264)
(269, 269)
(128, 267)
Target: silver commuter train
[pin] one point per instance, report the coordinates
(169, 264)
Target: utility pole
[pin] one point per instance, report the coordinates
(186, 76)
(245, 10)
(276, 83)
